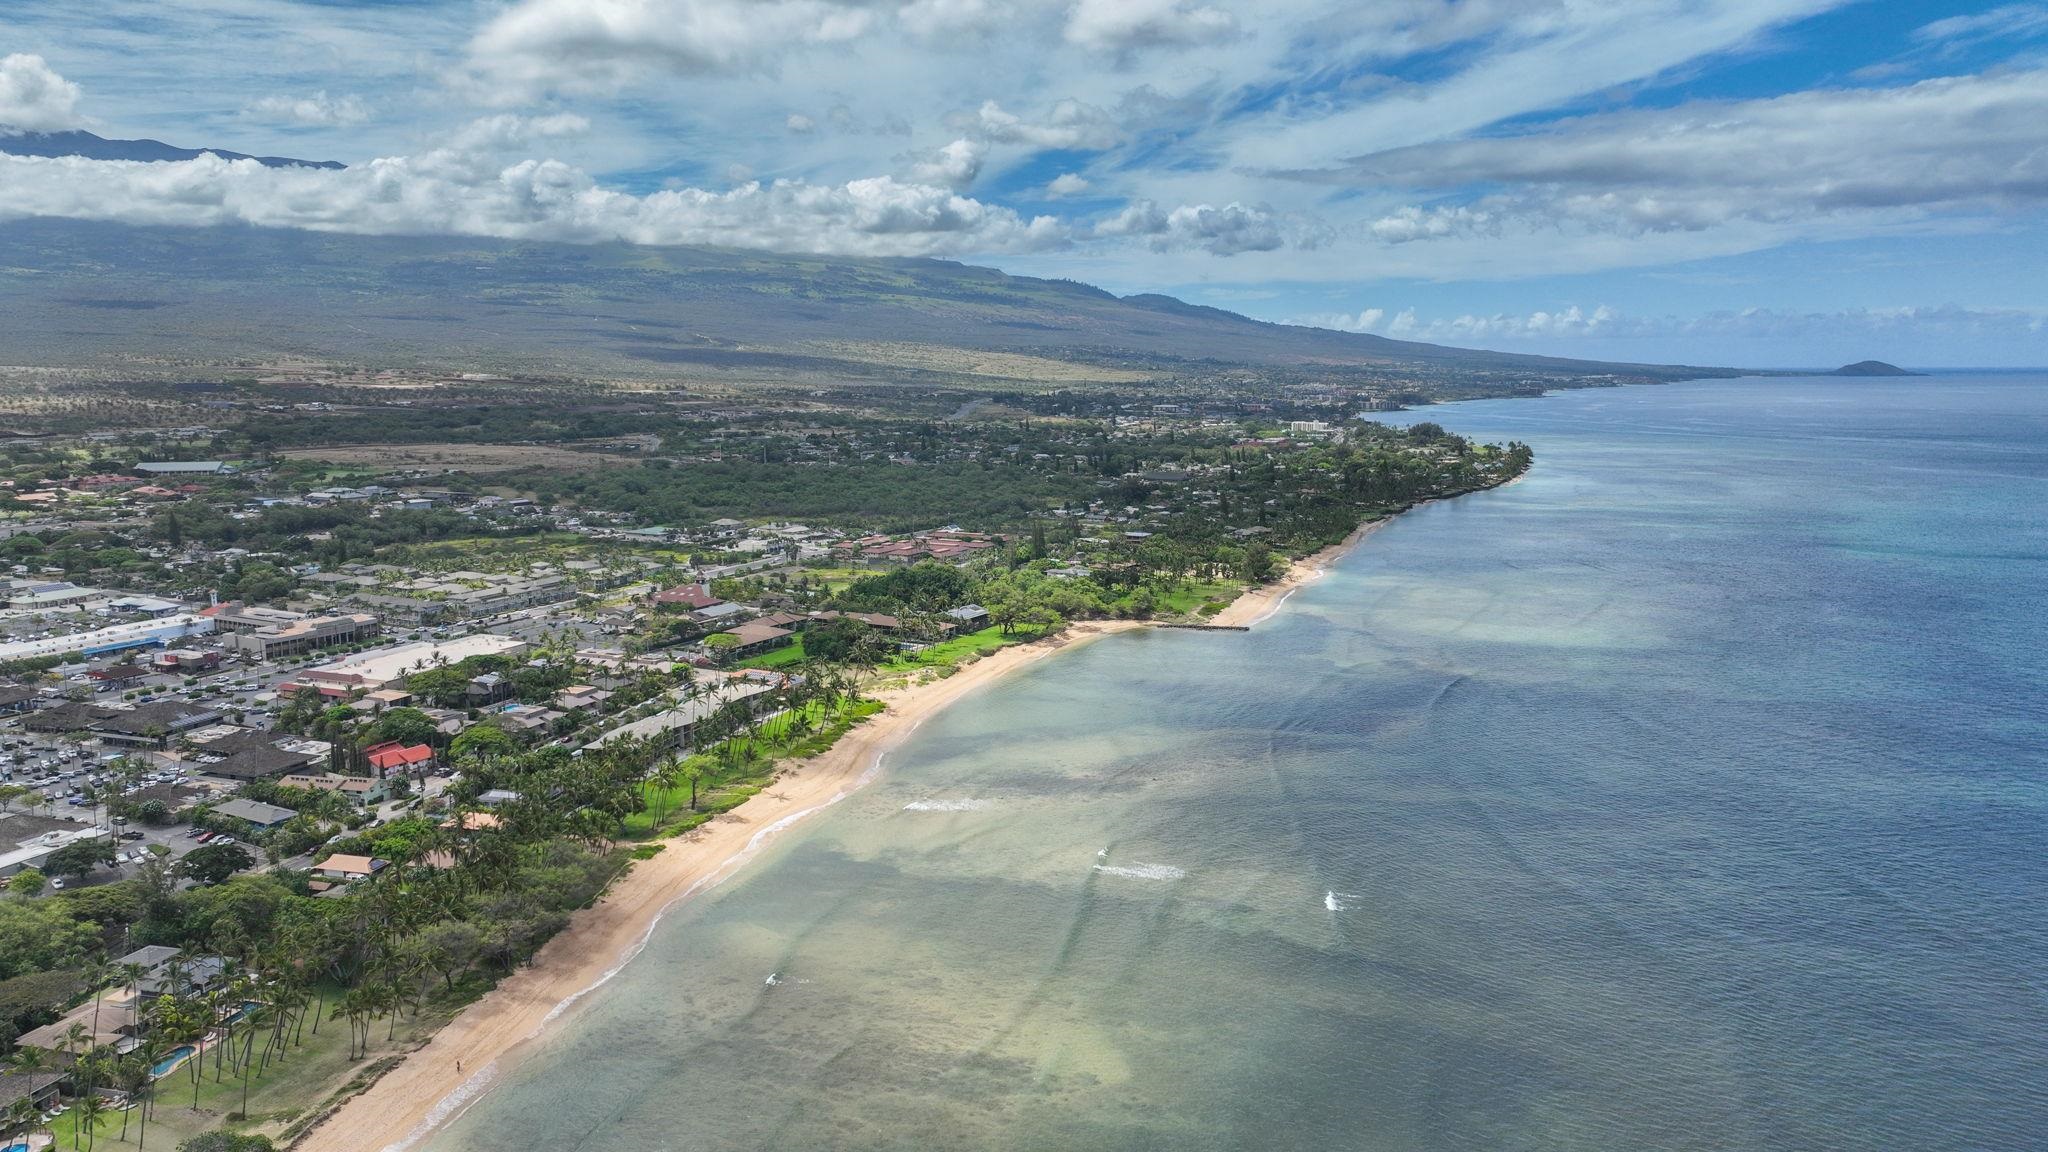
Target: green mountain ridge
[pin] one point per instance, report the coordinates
(93, 292)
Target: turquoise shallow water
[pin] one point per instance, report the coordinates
(1688, 794)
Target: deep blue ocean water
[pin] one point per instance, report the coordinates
(1689, 794)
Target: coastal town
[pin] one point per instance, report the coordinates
(304, 751)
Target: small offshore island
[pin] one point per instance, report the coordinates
(1873, 368)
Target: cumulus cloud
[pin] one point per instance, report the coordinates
(955, 166)
(1067, 184)
(33, 98)
(582, 45)
(1225, 231)
(1978, 141)
(456, 191)
(1070, 124)
(319, 110)
(800, 124)
(1124, 26)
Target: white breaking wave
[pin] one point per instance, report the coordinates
(945, 805)
(1143, 871)
(1339, 901)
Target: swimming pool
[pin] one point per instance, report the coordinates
(163, 1067)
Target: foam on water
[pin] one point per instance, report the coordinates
(1142, 871)
(945, 805)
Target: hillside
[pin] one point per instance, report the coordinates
(91, 147)
(87, 293)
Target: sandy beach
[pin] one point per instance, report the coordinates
(403, 1107)
(1261, 602)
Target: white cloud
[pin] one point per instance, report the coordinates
(1902, 325)
(956, 165)
(34, 98)
(1969, 142)
(1365, 320)
(1067, 184)
(2011, 20)
(586, 45)
(450, 191)
(800, 124)
(319, 110)
(1071, 124)
(1123, 26)
(1225, 231)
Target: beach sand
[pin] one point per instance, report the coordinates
(1261, 602)
(426, 1089)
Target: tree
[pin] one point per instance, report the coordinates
(27, 882)
(80, 857)
(405, 725)
(214, 863)
(86, 1112)
(483, 742)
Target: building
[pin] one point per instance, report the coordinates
(116, 638)
(152, 725)
(361, 789)
(33, 594)
(387, 667)
(303, 634)
(341, 869)
(183, 468)
(748, 640)
(255, 812)
(392, 756)
(690, 597)
(178, 660)
(14, 701)
(677, 727)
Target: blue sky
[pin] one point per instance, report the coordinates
(1753, 182)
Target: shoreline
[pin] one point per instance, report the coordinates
(425, 1091)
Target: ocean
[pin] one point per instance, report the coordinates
(1688, 794)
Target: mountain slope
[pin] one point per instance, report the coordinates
(93, 147)
(94, 291)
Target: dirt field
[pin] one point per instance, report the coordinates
(460, 457)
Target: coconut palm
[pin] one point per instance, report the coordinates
(87, 1111)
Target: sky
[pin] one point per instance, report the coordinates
(1766, 183)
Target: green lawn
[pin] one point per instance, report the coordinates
(781, 657)
(729, 781)
(952, 651)
(1188, 599)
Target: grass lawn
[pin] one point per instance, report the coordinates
(794, 654)
(952, 651)
(1189, 599)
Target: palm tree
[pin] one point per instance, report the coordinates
(88, 1110)
(694, 773)
(131, 1073)
(22, 1119)
(147, 1056)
